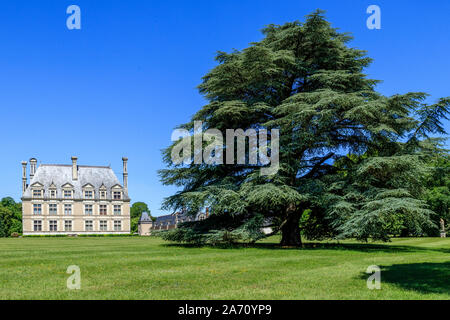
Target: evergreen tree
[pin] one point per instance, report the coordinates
(349, 156)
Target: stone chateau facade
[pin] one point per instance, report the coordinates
(74, 199)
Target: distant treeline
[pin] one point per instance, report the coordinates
(10, 217)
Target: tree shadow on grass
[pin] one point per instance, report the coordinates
(361, 247)
(420, 277)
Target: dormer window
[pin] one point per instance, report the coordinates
(37, 193)
(88, 191)
(102, 191)
(37, 190)
(67, 191)
(52, 191)
(117, 192)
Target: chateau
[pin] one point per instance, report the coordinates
(74, 199)
(146, 225)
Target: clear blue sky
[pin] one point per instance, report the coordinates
(118, 86)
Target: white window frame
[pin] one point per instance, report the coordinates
(66, 206)
(103, 225)
(50, 211)
(37, 207)
(91, 209)
(53, 224)
(91, 227)
(37, 224)
(68, 225)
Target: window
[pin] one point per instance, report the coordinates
(53, 224)
(103, 225)
(53, 194)
(103, 210)
(67, 194)
(68, 225)
(117, 195)
(37, 208)
(117, 210)
(88, 209)
(103, 194)
(37, 193)
(37, 225)
(88, 225)
(89, 194)
(67, 209)
(117, 225)
(52, 209)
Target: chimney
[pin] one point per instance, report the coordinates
(74, 168)
(33, 163)
(207, 212)
(24, 176)
(125, 173)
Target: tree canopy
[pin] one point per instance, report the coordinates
(351, 159)
(10, 217)
(136, 211)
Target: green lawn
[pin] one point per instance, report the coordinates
(149, 268)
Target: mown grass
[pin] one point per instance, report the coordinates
(149, 268)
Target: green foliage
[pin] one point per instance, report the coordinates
(10, 217)
(136, 211)
(353, 157)
(314, 225)
(437, 193)
(142, 268)
(218, 230)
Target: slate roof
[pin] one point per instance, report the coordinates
(167, 219)
(59, 175)
(145, 218)
(171, 219)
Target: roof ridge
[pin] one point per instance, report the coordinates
(69, 165)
